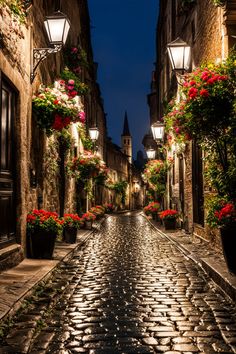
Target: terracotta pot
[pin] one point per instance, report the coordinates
(70, 234)
(41, 244)
(228, 241)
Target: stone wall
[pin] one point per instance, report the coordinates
(37, 183)
(207, 28)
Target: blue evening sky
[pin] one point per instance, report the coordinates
(123, 39)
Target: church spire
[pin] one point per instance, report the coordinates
(126, 139)
(126, 131)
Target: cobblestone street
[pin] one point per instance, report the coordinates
(128, 290)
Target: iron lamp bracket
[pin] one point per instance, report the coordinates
(39, 54)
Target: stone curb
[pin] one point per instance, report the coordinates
(217, 272)
(10, 302)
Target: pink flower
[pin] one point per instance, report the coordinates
(74, 50)
(70, 87)
(71, 82)
(77, 70)
(82, 116)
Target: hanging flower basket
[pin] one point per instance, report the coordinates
(87, 165)
(57, 107)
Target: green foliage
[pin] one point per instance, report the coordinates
(220, 211)
(120, 188)
(76, 58)
(79, 86)
(207, 113)
(65, 139)
(155, 174)
(18, 8)
(218, 2)
(86, 141)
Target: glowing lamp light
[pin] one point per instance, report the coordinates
(158, 131)
(151, 153)
(179, 54)
(93, 133)
(57, 27)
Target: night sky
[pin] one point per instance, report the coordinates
(123, 39)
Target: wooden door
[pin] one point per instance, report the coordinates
(7, 164)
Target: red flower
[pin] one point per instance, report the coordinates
(192, 93)
(55, 101)
(204, 93)
(67, 121)
(58, 123)
(169, 214)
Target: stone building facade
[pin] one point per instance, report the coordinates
(210, 31)
(28, 173)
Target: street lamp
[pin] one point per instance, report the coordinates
(94, 133)
(151, 153)
(158, 131)
(57, 27)
(179, 54)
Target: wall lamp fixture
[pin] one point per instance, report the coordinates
(158, 131)
(179, 53)
(57, 27)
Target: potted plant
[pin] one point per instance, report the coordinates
(169, 217)
(98, 211)
(72, 223)
(109, 207)
(222, 214)
(88, 219)
(42, 229)
(152, 209)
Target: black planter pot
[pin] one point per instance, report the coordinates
(70, 234)
(88, 224)
(228, 241)
(41, 244)
(170, 224)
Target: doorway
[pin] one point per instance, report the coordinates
(7, 163)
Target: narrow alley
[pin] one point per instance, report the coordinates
(129, 290)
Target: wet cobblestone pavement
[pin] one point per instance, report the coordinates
(128, 290)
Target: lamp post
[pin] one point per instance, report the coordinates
(180, 55)
(57, 27)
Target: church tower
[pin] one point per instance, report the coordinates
(126, 140)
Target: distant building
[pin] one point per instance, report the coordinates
(126, 139)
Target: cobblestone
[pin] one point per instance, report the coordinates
(128, 290)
